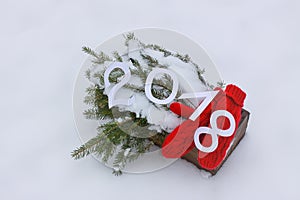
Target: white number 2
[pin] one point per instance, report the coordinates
(112, 93)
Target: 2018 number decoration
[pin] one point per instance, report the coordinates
(208, 96)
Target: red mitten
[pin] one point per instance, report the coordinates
(231, 100)
(181, 140)
(178, 142)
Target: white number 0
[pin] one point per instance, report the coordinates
(149, 81)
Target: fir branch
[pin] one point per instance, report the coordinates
(200, 73)
(134, 87)
(117, 56)
(138, 71)
(152, 62)
(164, 82)
(120, 160)
(210, 86)
(100, 76)
(117, 172)
(114, 133)
(140, 121)
(185, 58)
(102, 58)
(99, 103)
(88, 74)
(159, 93)
(99, 58)
(159, 138)
(159, 48)
(89, 51)
(88, 148)
(138, 128)
(134, 156)
(128, 37)
(129, 153)
(115, 75)
(105, 150)
(221, 84)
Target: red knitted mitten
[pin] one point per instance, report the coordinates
(231, 100)
(181, 140)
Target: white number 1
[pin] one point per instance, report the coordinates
(208, 97)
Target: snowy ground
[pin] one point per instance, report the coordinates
(254, 44)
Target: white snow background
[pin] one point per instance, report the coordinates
(255, 44)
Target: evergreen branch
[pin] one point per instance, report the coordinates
(99, 58)
(127, 154)
(100, 75)
(117, 172)
(159, 48)
(99, 103)
(120, 159)
(128, 37)
(88, 74)
(134, 87)
(115, 75)
(221, 84)
(102, 58)
(185, 58)
(117, 56)
(138, 71)
(88, 148)
(210, 86)
(89, 51)
(200, 73)
(105, 150)
(114, 133)
(152, 62)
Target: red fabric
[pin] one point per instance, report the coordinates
(232, 101)
(181, 140)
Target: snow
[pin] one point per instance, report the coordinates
(143, 108)
(126, 152)
(255, 44)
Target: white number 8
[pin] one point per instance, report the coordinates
(214, 131)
